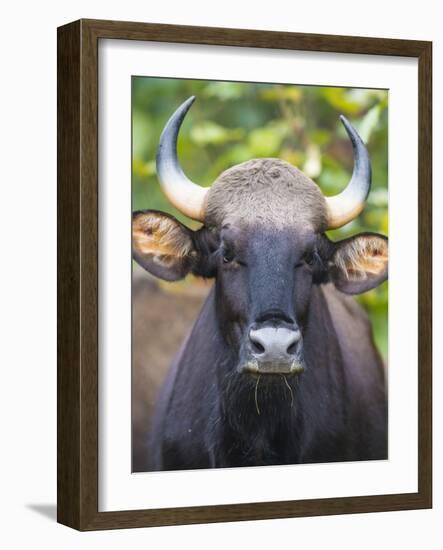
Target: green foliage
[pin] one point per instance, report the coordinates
(232, 122)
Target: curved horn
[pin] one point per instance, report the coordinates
(348, 204)
(185, 195)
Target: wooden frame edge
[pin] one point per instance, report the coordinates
(77, 319)
(68, 286)
(425, 273)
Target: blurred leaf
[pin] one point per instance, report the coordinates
(265, 142)
(276, 93)
(296, 158)
(312, 165)
(378, 197)
(209, 132)
(340, 99)
(141, 133)
(225, 90)
(320, 137)
(234, 155)
(369, 123)
(143, 169)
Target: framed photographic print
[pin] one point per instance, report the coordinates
(228, 345)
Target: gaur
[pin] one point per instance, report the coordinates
(280, 367)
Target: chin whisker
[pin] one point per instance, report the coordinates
(255, 393)
(290, 390)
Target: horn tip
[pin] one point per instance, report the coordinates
(351, 131)
(186, 105)
(345, 121)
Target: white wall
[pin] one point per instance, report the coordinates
(28, 274)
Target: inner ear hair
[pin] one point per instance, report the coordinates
(159, 234)
(362, 256)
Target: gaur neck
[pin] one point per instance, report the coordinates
(267, 408)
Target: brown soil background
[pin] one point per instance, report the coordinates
(162, 315)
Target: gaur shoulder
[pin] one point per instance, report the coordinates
(338, 302)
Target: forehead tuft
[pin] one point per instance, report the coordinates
(268, 191)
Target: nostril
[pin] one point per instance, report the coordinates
(294, 344)
(292, 348)
(273, 343)
(257, 347)
(257, 342)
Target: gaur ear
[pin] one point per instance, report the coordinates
(360, 263)
(162, 245)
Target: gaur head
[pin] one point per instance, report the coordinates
(263, 240)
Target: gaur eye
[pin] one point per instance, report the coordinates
(310, 258)
(228, 257)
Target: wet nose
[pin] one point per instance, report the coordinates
(274, 344)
